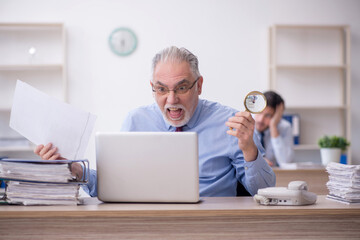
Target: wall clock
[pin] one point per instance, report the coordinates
(122, 41)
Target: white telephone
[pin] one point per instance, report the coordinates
(295, 194)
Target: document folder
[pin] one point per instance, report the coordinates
(16, 169)
(41, 182)
(11, 175)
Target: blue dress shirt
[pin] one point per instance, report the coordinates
(221, 162)
(279, 150)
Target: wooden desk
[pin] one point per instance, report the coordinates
(315, 178)
(213, 218)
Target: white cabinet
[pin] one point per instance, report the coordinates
(310, 67)
(36, 54)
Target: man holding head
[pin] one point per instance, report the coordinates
(274, 132)
(225, 156)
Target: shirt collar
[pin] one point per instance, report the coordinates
(266, 132)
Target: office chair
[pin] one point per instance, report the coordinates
(241, 191)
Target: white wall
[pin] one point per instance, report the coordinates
(230, 37)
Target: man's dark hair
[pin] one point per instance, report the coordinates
(273, 99)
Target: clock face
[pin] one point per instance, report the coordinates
(122, 41)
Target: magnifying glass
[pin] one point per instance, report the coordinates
(255, 102)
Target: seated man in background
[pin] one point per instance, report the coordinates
(274, 132)
(225, 156)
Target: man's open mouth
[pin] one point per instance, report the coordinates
(175, 113)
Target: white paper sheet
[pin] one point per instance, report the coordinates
(344, 182)
(43, 119)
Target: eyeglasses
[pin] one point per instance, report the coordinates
(181, 89)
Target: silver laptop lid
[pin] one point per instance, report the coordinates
(147, 166)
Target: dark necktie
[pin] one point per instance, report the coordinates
(262, 134)
(178, 129)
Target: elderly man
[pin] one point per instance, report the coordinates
(225, 156)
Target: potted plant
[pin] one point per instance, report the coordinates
(331, 148)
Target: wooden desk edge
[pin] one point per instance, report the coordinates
(299, 170)
(181, 213)
(210, 207)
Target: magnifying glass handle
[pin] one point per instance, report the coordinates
(245, 111)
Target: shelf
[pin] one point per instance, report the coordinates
(30, 25)
(17, 149)
(35, 53)
(306, 147)
(339, 27)
(28, 67)
(310, 67)
(316, 108)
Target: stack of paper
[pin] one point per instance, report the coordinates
(59, 173)
(30, 193)
(39, 182)
(344, 182)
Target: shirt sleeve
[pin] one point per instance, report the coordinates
(258, 174)
(91, 187)
(283, 145)
(255, 174)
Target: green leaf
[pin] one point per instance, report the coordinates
(333, 142)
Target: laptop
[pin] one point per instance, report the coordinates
(147, 167)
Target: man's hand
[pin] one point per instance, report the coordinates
(271, 164)
(243, 126)
(275, 120)
(48, 153)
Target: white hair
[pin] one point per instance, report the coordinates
(177, 55)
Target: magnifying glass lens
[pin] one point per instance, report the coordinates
(255, 102)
